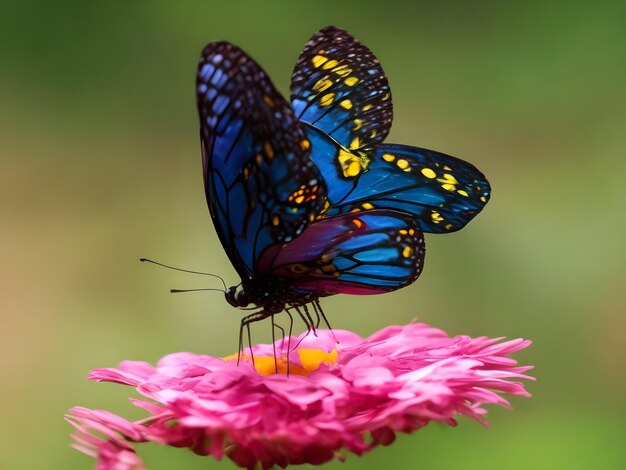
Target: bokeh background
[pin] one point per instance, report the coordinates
(100, 164)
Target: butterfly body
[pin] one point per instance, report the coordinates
(270, 293)
(307, 199)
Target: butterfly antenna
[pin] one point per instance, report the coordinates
(146, 260)
(179, 291)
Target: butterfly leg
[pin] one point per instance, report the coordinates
(282, 343)
(304, 320)
(318, 319)
(282, 332)
(319, 312)
(250, 344)
(289, 340)
(308, 316)
(274, 344)
(245, 323)
(308, 321)
(301, 315)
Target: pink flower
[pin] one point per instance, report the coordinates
(352, 395)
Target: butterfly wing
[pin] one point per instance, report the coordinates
(442, 192)
(339, 87)
(366, 253)
(260, 184)
(340, 92)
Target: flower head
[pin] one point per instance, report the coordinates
(351, 395)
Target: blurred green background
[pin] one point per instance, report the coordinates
(100, 164)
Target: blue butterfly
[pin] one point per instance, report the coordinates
(307, 199)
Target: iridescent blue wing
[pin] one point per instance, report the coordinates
(260, 184)
(339, 87)
(347, 122)
(366, 253)
(442, 192)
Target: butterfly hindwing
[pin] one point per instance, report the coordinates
(339, 87)
(442, 192)
(358, 253)
(260, 184)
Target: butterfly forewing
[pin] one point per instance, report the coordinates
(260, 184)
(339, 87)
(442, 192)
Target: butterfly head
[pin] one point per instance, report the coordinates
(237, 297)
(269, 293)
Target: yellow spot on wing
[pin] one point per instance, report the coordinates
(483, 198)
(318, 60)
(327, 99)
(388, 157)
(449, 182)
(351, 164)
(347, 104)
(354, 168)
(463, 192)
(330, 64)
(448, 178)
(351, 81)
(268, 101)
(342, 70)
(407, 252)
(269, 151)
(367, 206)
(402, 163)
(298, 268)
(275, 220)
(355, 144)
(436, 216)
(328, 268)
(367, 107)
(305, 144)
(428, 173)
(358, 223)
(322, 84)
(344, 156)
(357, 124)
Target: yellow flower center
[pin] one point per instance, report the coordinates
(310, 361)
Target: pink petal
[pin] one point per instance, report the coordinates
(397, 380)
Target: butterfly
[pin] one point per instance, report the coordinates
(307, 199)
